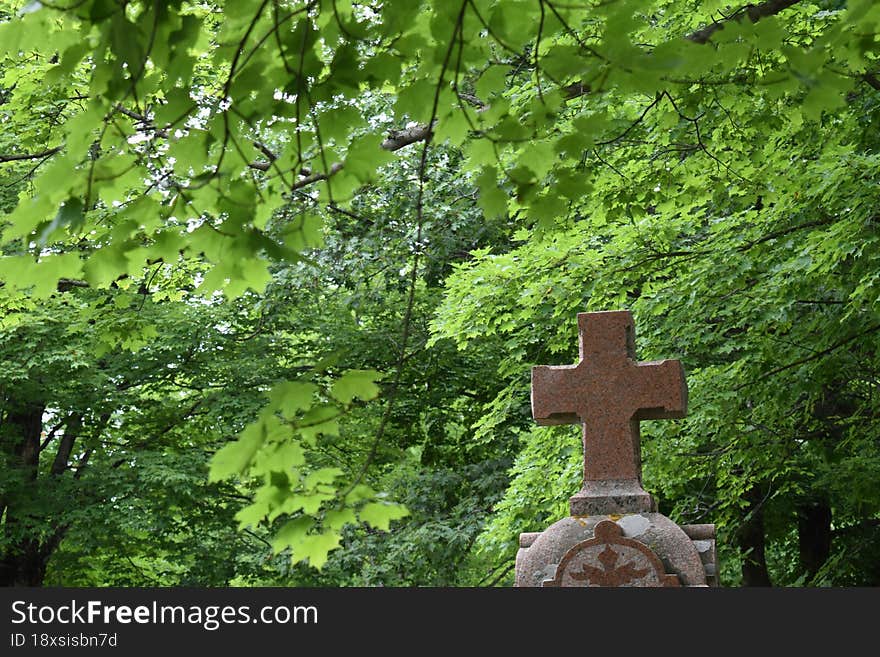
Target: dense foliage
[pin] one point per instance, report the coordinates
(274, 273)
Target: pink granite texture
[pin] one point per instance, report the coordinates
(609, 393)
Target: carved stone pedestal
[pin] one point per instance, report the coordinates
(637, 549)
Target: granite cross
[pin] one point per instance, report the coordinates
(609, 392)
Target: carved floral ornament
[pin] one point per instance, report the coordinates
(610, 559)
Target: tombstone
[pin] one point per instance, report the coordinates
(614, 535)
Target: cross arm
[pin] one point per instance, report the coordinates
(554, 395)
(661, 390)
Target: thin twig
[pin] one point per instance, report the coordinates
(811, 357)
(413, 279)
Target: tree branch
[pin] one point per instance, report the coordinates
(782, 232)
(30, 156)
(71, 430)
(872, 80)
(315, 177)
(753, 12)
(397, 139)
(65, 284)
(811, 357)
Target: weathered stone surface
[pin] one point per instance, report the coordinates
(675, 550)
(609, 393)
(703, 537)
(700, 532)
(609, 559)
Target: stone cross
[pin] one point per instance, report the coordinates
(609, 392)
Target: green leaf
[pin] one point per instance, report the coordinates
(573, 185)
(547, 210)
(537, 157)
(82, 129)
(413, 101)
(291, 533)
(317, 421)
(292, 396)
(304, 232)
(337, 519)
(305, 546)
(309, 503)
(70, 215)
(380, 514)
(493, 200)
(234, 458)
(178, 104)
(381, 68)
(284, 457)
(453, 127)
(564, 61)
(828, 93)
(252, 515)
(236, 277)
(190, 153)
(491, 82)
(365, 156)
(321, 476)
(359, 493)
(356, 383)
(479, 153)
(41, 277)
(338, 123)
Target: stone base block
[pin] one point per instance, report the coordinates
(615, 496)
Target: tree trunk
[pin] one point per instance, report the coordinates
(751, 541)
(23, 562)
(814, 537)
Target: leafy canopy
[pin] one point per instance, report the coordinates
(709, 166)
